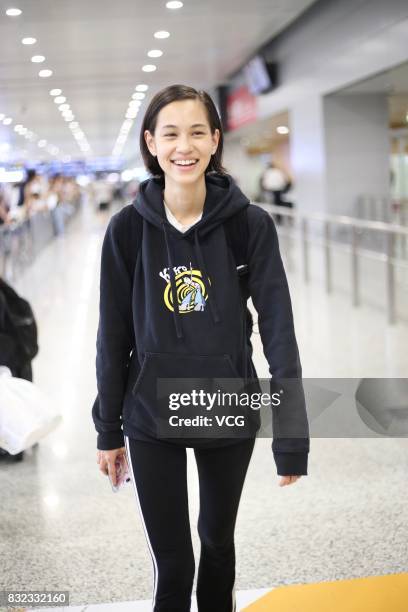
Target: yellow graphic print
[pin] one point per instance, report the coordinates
(191, 293)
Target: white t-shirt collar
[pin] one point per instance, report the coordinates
(179, 226)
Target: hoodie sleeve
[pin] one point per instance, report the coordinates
(115, 338)
(270, 295)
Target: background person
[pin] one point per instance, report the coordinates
(275, 182)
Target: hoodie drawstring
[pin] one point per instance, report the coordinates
(211, 300)
(176, 312)
(201, 262)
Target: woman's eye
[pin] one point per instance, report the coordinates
(171, 135)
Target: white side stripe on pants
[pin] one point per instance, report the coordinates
(156, 572)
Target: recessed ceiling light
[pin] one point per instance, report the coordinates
(7, 121)
(13, 12)
(155, 53)
(18, 127)
(282, 129)
(64, 107)
(161, 34)
(69, 118)
(45, 73)
(73, 125)
(59, 99)
(38, 59)
(141, 87)
(149, 68)
(174, 4)
(131, 114)
(55, 92)
(29, 41)
(139, 95)
(42, 143)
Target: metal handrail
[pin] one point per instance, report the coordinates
(391, 230)
(338, 219)
(18, 246)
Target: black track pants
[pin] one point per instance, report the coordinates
(159, 474)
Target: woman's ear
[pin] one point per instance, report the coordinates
(149, 139)
(215, 139)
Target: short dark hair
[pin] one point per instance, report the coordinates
(159, 101)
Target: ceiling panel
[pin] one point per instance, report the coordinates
(96, 49)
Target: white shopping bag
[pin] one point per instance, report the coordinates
(26, 415)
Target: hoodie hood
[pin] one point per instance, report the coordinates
(223, 200)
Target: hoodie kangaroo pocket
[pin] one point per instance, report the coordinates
(186, 388)
(192, 368)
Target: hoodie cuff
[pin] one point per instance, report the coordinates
(110, 440)
(291, 464)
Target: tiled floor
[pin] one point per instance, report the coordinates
(62, 528)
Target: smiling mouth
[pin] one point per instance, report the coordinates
(191, 162)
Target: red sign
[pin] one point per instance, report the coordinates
(241, 108)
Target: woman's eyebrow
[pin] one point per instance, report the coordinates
(175, 126)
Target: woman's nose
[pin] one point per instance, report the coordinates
(184, 144)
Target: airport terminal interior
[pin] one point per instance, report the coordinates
(312, 97)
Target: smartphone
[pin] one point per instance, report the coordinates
(122, 473)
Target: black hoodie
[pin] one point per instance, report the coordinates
(142, 337)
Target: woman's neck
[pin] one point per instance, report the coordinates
(185, 201)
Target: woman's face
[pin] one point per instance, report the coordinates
(183, 134)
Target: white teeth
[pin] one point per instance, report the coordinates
(186, 162)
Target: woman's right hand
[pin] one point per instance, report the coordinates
(107, 460)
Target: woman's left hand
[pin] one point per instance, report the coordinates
(288, 480)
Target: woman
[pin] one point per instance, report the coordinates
(150, 328)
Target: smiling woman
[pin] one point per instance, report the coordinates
(172, 307)
(181, 141)
(183, 120)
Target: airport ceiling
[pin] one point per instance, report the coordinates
(96, 50)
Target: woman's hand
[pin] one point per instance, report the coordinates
(288, 480)
(107, 460)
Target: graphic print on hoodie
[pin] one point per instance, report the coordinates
(190, 289)
(181, 315)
